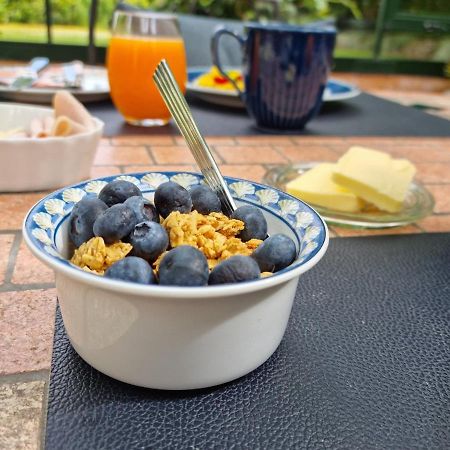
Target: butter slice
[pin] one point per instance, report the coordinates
(375, 177)
(317, 187)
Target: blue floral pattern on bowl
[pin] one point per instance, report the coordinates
(44, 219)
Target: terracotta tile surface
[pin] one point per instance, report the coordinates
(21, 408)
(107, 155)
(14, 207)
(28, 269)
(433, 172)
(249, 172)
(162, 168)
(441, 194)
(104, 171)
(26, 330)
(264, 140)
(369, 81)
(6, 241)
(299, 153)
(262, 154)
(142, 140)
(172, 155)
(435, 224)
(211, 140)
(420, 154)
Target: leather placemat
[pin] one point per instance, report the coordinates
(365, 115)
(365, 363)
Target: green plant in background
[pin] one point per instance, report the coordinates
(295, 11)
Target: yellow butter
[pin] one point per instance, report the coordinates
(317, 187)
(375, 177)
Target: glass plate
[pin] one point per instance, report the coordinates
(418, 204)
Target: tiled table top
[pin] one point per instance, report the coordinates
(27, 293)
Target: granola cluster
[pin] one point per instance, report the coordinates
(213, 234)
(95, 256)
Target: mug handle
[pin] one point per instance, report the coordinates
(218, 33)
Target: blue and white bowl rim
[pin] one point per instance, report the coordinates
(47, 215)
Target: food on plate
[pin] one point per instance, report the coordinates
(82, 219)
(317, 186)
(170, 197)
(361, 178)
(54, 76)
(375, 177)
(117, 222)
(149, 240)
(255, 223)
(235, 269)
(214, 79)
(41, 127)
(118, 191)
(132, 268)
(66, 105)
(275, 253)
(69, 117)
(184, 266)
(95, 256)
(142, 208)
(13, 132)
(215, 235)
(187, 248)
(204, 199)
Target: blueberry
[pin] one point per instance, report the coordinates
(149, 240)
(184, 266)
(254, 220)
(132, 269)
(234, 270)
(170, 197)
(142, 208)
(115, 223)
(118, 191)
(82, 219)
(275, 253)
(204, 199)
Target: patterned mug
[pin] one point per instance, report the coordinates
(285, 69)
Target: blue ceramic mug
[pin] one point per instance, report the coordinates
(285, 70)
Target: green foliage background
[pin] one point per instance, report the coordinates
(75, 12)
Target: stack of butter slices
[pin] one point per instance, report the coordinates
(361, 177)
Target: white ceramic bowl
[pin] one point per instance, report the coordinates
(175, 337)
(28, 164)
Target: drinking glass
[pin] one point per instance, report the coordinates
(139, 41)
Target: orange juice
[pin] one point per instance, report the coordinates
(131, 62)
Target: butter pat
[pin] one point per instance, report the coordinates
(375, 177)
(317, 187)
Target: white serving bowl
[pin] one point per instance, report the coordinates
(167, 337)
(35, 164)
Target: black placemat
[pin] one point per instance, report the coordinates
(365, 363)
(365, 115)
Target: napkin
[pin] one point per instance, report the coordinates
(54, 76)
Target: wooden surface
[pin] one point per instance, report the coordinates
(27, 292)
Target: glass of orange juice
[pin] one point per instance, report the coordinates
(140, 40)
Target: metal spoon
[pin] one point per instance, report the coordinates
(179, 109)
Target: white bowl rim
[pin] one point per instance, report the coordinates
(99, 127)
(175, 292)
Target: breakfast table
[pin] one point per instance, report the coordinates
(365, 360)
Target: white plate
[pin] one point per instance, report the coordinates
(335, 90)
(95, 87)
